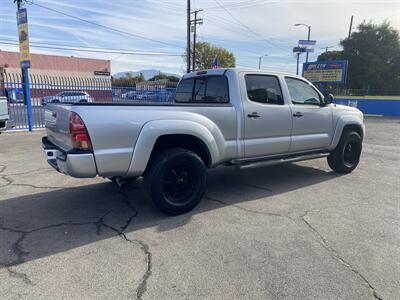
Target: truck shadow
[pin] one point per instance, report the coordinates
(42, 224)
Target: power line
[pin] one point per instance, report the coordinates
(244, 32)
(113, 50)
(96, 51)
(105, 26)
(247, 27)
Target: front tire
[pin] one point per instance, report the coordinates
(346, 156)
(176, 180)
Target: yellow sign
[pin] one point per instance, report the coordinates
(334, 75)
(23, 35)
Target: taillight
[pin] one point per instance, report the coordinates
(80, 138)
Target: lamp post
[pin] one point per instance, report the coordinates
(308, 36)
(259, 60)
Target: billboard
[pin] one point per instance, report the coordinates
(332, 71)
(23, 35)
(308, 45)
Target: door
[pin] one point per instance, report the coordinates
(267, 118)
(312, 121)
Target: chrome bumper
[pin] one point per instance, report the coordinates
(75, 164)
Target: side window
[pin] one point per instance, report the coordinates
(264, 89)
(211, 89)
(184, 90)
(301, 92)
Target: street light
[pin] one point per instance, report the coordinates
(309, 34)
(259, 60)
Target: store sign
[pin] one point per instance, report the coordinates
(332, 72)
(307, 45)
(102, 73)
(23, 35)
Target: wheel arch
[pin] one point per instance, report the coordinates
(163, 134)
(347, 123)
(185, 141)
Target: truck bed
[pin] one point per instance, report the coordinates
(114, 128)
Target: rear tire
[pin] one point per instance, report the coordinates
(346, 156)
(176, 180)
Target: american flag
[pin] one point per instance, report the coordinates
(216, 63)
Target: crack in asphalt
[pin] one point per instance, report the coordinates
(248, 209)
(20, 253)
(336, 256)
(24, 173)
(142, 288)
(131, 207)
(255, 186)
(11, 181)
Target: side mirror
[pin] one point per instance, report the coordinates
(328, 99)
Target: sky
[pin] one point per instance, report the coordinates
(248, 28)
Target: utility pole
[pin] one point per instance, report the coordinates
(259, 60)
(308, 38)
(327, 47)
(188, 37)
(351, 25)
(23, 38)
(194, 23)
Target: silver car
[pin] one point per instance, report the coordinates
(68, 97)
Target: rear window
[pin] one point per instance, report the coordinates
(184, 90)
(210, 89)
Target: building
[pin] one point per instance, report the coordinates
(50, 74)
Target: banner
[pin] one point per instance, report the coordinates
(23, 35)
(332, 71)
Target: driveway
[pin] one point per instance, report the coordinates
(295, 231)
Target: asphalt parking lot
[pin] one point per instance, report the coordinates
(295, 231)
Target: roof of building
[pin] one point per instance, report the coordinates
(10, 59)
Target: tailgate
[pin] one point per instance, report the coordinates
(57, 125)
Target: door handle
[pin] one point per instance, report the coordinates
(297, 115)
(253, 115)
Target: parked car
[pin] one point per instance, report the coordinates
(4, 115)
(129, 95)
(67, 97)
(15, 96)
(234, 117)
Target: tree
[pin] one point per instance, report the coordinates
(373, 53)
(206, 53)
(128, 80)
(171, 78)
(331, 55)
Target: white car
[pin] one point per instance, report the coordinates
(68, 97)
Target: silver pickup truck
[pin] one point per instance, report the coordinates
(228, 117)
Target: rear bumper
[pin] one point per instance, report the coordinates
(5, 125)
(75, 164)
